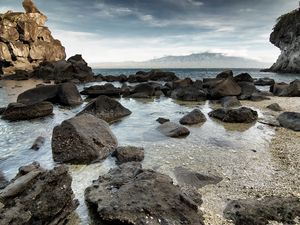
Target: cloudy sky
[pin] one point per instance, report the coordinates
(123, 30)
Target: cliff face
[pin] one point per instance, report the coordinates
(286, 36)
(25, 42)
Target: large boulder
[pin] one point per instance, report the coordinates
(159, 75)
(106, 109)
(38, 196)
(240, 115)
(189, 94)
(143, 90)
(129, 154)
(247, 89)
(290, 120)
(19, 111)
(244, 77)
(293, 90)
(227, 87)
(132, 195)
(82, 139)
(107, 89)
(194, 117)
(64, 94)
(173, 130)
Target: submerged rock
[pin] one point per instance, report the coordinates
(290, 120)
(240, 115)
(261, 212)
(173, 130)
(129, 154)
(162, 120)
(82, 139)
(132, 195)
(38, 196)
(194, 117)
(19, 111)
(38, 143)
(106, 109)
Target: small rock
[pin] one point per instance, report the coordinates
(173, 130)
(194, 117)
(38, 143)
(275, 107)
(162, 120)
(129, 154)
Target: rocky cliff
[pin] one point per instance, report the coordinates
(286, 36)
(25, 42)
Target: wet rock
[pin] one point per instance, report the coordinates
(129, 154)
(69, 95)
(106, 109)
(244, 77)
(260, 212)
(275, 107)
(38, 197)
(227, 87)
(38, 143)
(230, 102)
(279, 89)
(82, 139)
(162, 120)
(225, 74)
(173, 130)
(19, 111)
(3, 181)
(290, 120)
(144, 90)
(189, 94)
(264, 82)
(240, 115)
(107, 89)
(197, 180)
(194, 117)
(247, 89)
(132, 195)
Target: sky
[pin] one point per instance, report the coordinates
(139, 30)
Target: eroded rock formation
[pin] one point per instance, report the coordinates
(25, 41)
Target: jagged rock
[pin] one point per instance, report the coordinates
(286, 37)
(230, 102)
(240, 115)
(64, 94)
(106, 109)
(162, 120)
(132, 195)
(225, 74)
(173, 130)
(38, 196)
(19, 111)
(264, 82)
(275, 107)
(261, 212)
(290, 120)
(25, 42)
(227, 87)
(244, 77)
(129, 154)
(107, 89)
(189, 94)
(30, 7)
(194, 117)
(82, 139)
(38, 143)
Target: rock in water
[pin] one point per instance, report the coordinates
(25, 41)
(38, 143)
(240, 115)
(290, 120)
(3, 181)
(38, 196)
(260, 212)
(173, 130)
(82, 139)
(132, 195)
(162, 120)
(19, 111)
(194, 117)
(129, 154)
(69, 95)
(275, 107)
(106, 109)
(285, 36)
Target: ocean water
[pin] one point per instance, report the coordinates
(205, 73)
(215, 148)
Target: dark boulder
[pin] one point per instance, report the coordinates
(3, 181)
(264, 82)
(257, 97)
(162, 120)
(132, 195)
(82, 139)
(240, 115)
(247, 89)
(2, 110)
(194, 117)
(279, 89)
(227, 87)
(275, 107)
(173, 130)
(38, 196)
(110, 78)
(244, 77)
(189, 94)
(261, 212)
(293, 89)
(143, 90)
(159, 75)
(290, 120)
(19, 111)
(230, 102)
(211, 82)
(106, 109)
(225, 74)
(129, 154)
(107, 89)
(182, 83)
(69, 95)
(38, 143)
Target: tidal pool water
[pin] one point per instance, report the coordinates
(237, 153)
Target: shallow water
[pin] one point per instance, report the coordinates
(237, 153)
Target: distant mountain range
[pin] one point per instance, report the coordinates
(201, 60)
